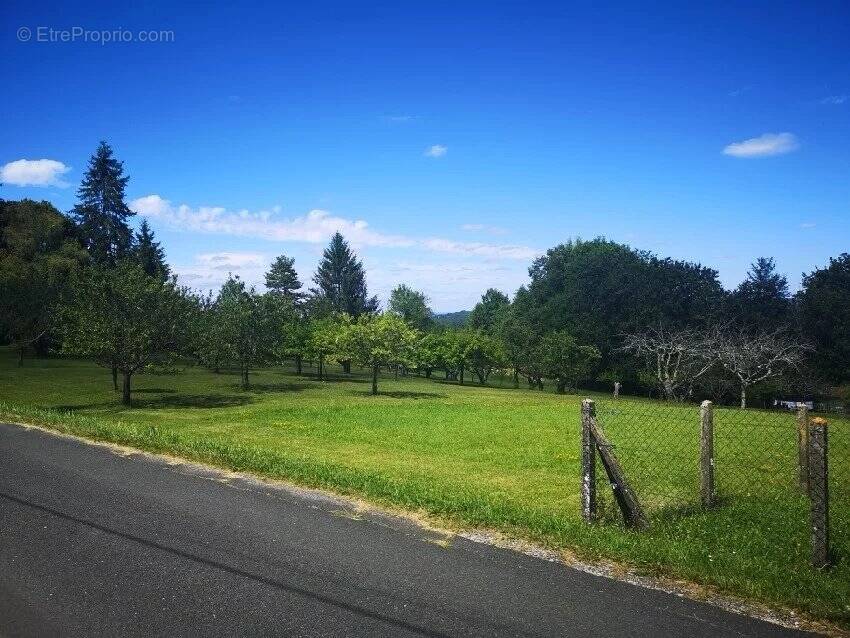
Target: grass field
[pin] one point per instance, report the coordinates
(483, 456)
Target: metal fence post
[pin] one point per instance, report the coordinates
(803, 446)
(706, 453)
(818, 479)
(588, 461)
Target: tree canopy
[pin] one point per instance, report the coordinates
(487, 313)
(101, 211)
(412, 306)
(824, 308)
(39, 254)
(281, 279)
(341, 282)
(124, 319)
(149, 254)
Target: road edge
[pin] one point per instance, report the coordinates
(446, 529)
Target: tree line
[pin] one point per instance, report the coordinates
(594, 313)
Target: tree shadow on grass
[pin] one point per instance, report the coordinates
(194, 401)
(155, 391)
(399, 394)
(167, 401)
(263, 388)
(334, 378)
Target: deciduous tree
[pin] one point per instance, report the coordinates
(251, 325)
(677, 358)
(38, 257)
(824, 308)
(755, 357)
(565, 360)
(377, 341)
(124, 319)
(487, 313)
(412, 306)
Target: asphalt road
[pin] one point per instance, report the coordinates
(93, 542)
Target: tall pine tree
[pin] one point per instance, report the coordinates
(149, 254)
(341, 281)
(101, 212)
(762, 301)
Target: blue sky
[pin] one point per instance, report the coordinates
(449, 143)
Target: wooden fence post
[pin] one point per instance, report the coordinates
(818, 478)
(803, 446)
(706, 453)
(588, 461)
(625, 495)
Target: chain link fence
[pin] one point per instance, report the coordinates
(776, 463)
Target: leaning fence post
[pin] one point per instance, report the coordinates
(588, 461)
(706, 453)
(818, 477)
(803, 445)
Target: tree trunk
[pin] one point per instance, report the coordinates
(395, 370)
(743, 397)
(427, 373)
(374, 379)
(298, 364)
(115, 378)
(461, 375)
(42, 346)
(668, 390)
(21, 356)
(346, 367)
(125, 394)
(516, 378)
(245, 380)
(447, 374)
(540, 383)
(321, 367)
(562, 386)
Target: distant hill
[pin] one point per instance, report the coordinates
(452, 319)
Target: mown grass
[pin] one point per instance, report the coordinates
(482, 456)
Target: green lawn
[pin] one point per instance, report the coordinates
(496, 457)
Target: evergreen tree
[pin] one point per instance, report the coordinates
(762, 301)
(341, 281)
(101, 212)
(149, 253)
(282, 279)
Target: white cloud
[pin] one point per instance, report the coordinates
(764, 145)
(482, 250)
(835, 99)
(315, 227)
(209, 271)
(43, 172)
(808, 225)
(484, 228)
(452, 283)
(437, 150)
(230, 261)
